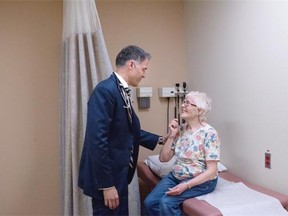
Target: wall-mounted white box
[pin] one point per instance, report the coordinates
(144, 92)
(170, 92)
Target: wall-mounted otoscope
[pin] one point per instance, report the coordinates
(177, 102)
(184, 95)
(184, 89)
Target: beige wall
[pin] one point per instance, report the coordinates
(238, 52)
(30, 41)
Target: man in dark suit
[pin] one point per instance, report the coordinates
(113, 135)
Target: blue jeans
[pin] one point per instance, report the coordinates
(158, 203)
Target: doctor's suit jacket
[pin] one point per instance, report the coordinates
(108, 140)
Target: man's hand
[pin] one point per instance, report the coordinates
(111, 198)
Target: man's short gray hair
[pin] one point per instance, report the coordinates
(131, 52)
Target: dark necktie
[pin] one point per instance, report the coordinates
(126, 93)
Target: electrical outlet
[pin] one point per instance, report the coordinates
(268, 160)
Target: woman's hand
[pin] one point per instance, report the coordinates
(173, 128)
(166, 152)
(178, 189)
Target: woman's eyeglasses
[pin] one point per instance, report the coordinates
(187, 103)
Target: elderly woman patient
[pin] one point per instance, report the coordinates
(196, 146)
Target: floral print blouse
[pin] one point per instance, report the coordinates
(193, 149)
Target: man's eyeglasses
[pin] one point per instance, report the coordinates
(187, 103)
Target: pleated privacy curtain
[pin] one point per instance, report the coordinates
(85, 62)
